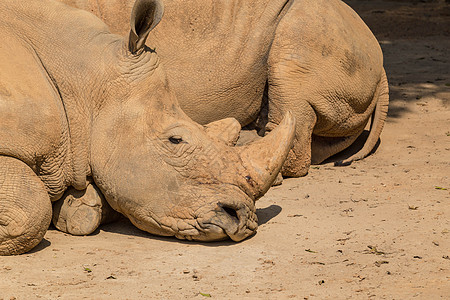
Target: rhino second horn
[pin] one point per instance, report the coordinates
(226, 130)
(265, 157)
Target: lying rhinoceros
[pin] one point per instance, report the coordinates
(254, 60)
(78, 103)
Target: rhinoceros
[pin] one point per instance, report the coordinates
(80, 105)
(254, 60)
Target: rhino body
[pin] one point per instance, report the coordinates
(80, 105)
(255, 60)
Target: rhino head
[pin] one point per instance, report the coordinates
(163, 171)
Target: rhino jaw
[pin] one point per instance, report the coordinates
(215, 217)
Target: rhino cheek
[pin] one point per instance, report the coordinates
(152, 202)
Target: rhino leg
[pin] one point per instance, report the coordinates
(325, 72)
(325, 147)
(299, 159)
(25, 207)
(282, 98)
(308, 148)
(81, 212)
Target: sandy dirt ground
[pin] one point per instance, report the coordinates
(378, 229)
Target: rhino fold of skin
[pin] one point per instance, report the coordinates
(255, 60)
(78, 103)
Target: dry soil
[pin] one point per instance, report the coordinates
(378, 229)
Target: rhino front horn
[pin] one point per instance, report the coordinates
(265, 157)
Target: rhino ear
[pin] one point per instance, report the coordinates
(145, 15)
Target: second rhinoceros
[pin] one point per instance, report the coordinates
(79, 104)
(256, 59)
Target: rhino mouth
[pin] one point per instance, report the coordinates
(236, 222)
(213, 215)
(224, 221)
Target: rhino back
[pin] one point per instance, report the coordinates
(115, 13)
(215, 53)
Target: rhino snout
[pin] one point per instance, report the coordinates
(241, 222)
(229, 220)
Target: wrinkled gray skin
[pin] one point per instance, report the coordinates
(78, 103)
(254, 60)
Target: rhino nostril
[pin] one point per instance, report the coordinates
(231, 212)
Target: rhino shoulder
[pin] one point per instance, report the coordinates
(33, 126)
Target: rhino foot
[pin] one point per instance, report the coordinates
(25, 208)
(82, 212)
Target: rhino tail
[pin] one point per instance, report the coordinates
(378, 118)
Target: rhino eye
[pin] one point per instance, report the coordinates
(175, 139)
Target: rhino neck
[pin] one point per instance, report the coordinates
(73, 47)
(82, 84)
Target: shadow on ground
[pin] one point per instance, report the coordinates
(41, 246)
(125, 227)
